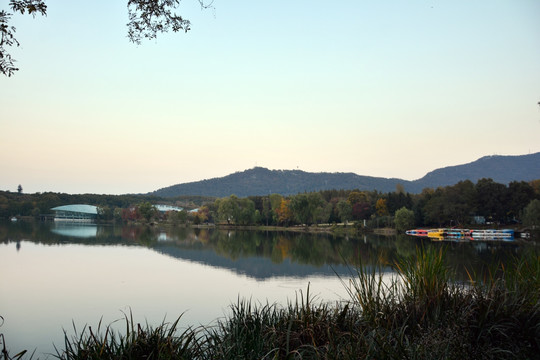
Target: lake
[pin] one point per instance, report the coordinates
(60, 276)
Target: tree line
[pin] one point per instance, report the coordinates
(460, 204)
(39, 204)
(464, 203)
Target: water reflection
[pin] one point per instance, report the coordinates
(82, 230)
(65, 275)
(263, 255)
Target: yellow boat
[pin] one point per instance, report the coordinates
(436, 233)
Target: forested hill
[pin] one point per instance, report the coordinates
(262, 181)
(502, 169)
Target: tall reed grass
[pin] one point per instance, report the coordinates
(420, 313)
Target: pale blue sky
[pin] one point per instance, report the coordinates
(381, 88)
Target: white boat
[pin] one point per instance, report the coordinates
(492, 233)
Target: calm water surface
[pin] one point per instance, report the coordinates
(55, 277)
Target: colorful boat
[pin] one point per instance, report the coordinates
(463, 234)
(417, 232)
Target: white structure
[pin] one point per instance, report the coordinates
(75, 213)
(166, 208)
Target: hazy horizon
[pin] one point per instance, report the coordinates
(271, 169)
(384, 89)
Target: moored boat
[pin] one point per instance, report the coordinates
(492, 233)
(417, 232)
(464, 234)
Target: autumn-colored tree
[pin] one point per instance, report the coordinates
(275, 203)
(131, 214)
(535, 184)
(281, 249)
(284, 213)
(202, 213)
(361, 210)
(356, 197)
(380, 207)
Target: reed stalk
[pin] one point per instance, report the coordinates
(422, 313)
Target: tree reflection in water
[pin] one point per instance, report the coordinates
(323, 253)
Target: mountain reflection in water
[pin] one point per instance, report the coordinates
(62, 275)
(258, 254)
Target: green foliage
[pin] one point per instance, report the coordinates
(425, 277)
(490, 198)
(177, 217)
(531, 213)
(105, 213)
(307, 207)
(344, 210)
(299, 205)
(162, 342)
(147, 210)
(404, 219)
(446, 206)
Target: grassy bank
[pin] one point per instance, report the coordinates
(421, 314)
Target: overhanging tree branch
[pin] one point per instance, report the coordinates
(7, 32)
(147, 18)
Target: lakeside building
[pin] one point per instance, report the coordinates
(166, 208)
(75, 213)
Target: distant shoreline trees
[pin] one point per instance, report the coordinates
(459, 204)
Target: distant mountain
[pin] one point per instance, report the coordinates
(502, 169)
(262, 181)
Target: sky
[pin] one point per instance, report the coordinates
(386, 88)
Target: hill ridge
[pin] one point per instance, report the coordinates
(263, 181)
